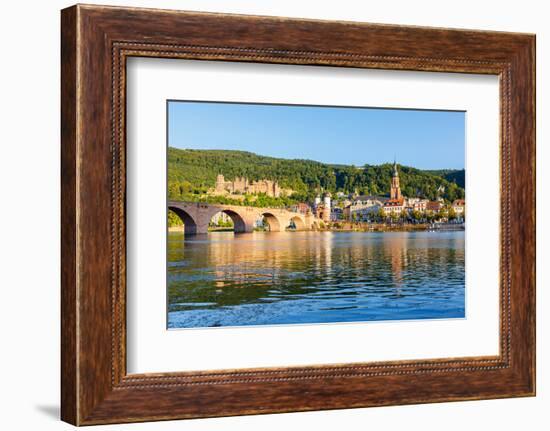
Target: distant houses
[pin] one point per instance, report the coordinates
(301, 208)
(363, 207)
(434, 206)
(418, 204)
(355, 208)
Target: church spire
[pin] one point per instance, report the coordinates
(395, 190)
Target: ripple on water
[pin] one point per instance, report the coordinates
(314, 277)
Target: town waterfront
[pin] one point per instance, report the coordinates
(273, 278)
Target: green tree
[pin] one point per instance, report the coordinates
(452, 214)
(381, 215)
(173, 219)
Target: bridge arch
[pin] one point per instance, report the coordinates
(299, 223)
(273, 222)
(189, 223)
(239, 224)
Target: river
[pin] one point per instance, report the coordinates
(263, 278)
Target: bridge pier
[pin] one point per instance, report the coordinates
(202, 228)
(247, 228)
(247, 223)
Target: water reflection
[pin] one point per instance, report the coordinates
(227, 279)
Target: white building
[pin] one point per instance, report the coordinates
(361, 210)
(458, 206)
(416, 204)
(326, 201)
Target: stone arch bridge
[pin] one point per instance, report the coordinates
(196, 217)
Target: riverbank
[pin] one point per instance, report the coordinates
(212, 229)
(176, 228)
(364, 227)
(393, 227)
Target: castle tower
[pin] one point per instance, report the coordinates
(317, 201)
(220, 183)
(395, 190)
(276, 189)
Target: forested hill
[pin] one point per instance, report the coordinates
(451, 175)
(193, 172)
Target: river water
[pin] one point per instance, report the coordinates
(263, 278)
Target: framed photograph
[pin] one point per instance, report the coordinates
(266, 215)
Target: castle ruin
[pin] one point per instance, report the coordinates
(242, 185)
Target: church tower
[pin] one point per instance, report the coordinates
(395, 190)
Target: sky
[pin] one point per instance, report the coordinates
(337, 135)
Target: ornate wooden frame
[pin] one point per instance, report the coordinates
(96, 41)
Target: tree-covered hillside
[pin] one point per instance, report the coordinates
(452, 175)
(192, 172)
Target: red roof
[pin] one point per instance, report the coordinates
(433, 205)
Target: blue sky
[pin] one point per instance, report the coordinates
(423, 139)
